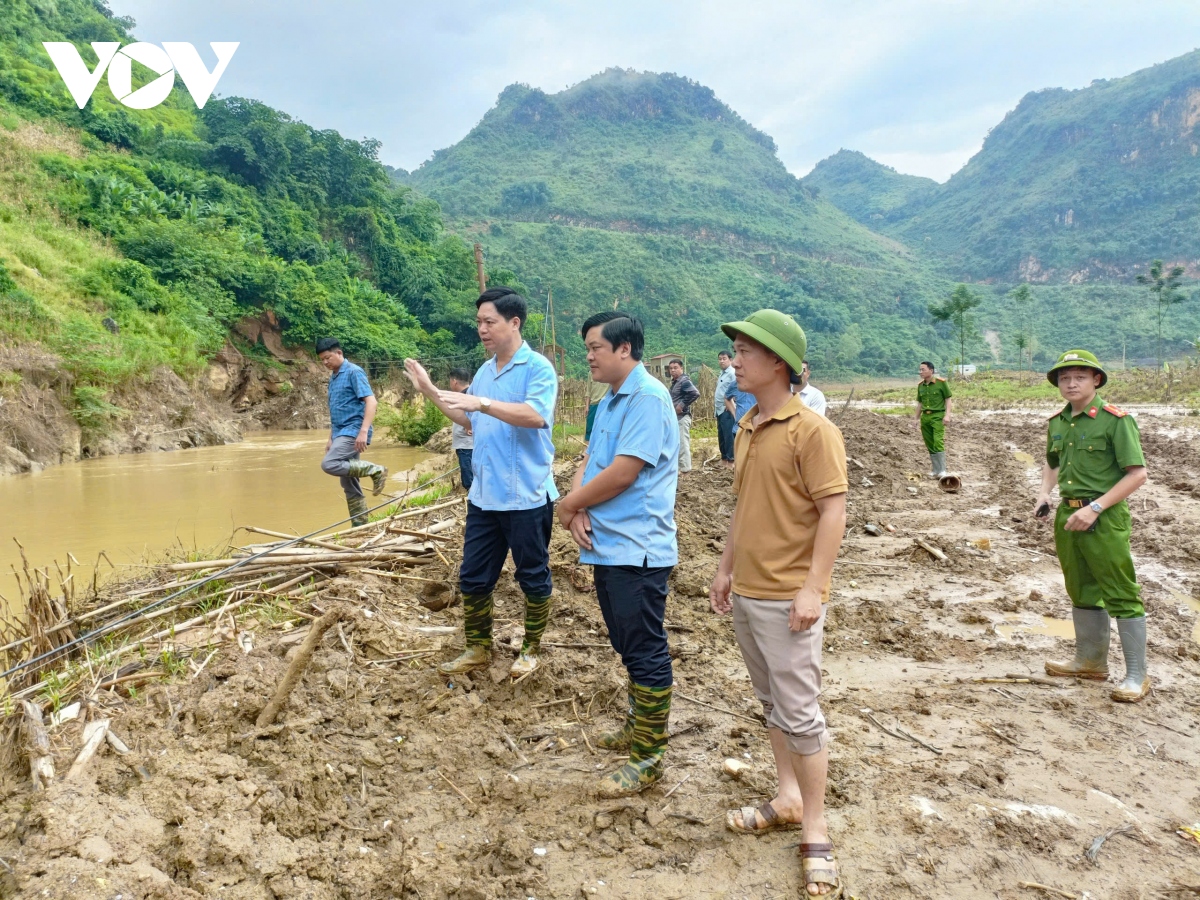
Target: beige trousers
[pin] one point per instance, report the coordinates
(685, 444)
(785, 669)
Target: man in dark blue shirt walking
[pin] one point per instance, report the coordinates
(352, 406)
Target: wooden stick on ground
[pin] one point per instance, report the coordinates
(94, 734)
(727, 712)
(931, 550)
(41, 759)
(1034, 886)
(299, 664)
(442, 775)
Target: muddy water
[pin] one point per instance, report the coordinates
(1051, 627)
(136, 506)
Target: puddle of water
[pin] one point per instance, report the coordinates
(138, 504)
(1189, 600)
(1059, 628)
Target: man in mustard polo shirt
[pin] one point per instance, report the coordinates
(1094, 452)
(790, 482)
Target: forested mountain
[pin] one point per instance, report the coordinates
(868, 191)
(175, 222)
(638, 190)
(1072, 186)
(647, 191)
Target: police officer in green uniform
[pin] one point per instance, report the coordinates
(1094, 453)
(933, 408)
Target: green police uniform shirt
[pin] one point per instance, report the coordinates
(1093, 449)
(933, 396)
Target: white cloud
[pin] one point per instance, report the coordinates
(915, 83)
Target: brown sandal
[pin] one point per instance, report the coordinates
(766, 811)
(819, 866)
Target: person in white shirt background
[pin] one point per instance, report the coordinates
(809, 395)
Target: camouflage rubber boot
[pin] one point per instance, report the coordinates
(358, 510)
(477, 625)
(360, 468)
(647, 746)
(619, 739)
(537, 614)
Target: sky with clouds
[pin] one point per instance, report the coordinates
(915, 84)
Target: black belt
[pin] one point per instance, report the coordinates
(1078, 504)
(926, 412)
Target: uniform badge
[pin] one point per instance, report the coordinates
(1092, 412)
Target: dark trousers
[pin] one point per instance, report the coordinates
(725, 423)
(465, 473)
(489, 536)
(633, 601)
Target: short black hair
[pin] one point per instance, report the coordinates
(327, 343)
(460, 374)
(806, 363)
(674, 362)
(618, 329)
(724, 353)
(932, 367)
(509, 303)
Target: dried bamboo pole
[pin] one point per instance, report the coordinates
(41, 759)
(299, 664)
(93, 736)
(293, 537)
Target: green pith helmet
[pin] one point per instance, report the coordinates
(776, 331)
(1076, 359)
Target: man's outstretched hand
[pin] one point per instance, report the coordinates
(419, 377)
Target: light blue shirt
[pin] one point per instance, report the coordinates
(512, 466)
(637, 526)
(726, 387)
(742, 403)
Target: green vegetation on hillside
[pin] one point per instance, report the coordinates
(1071, 185)
(645, 190)
(864, 189)
(175, 222)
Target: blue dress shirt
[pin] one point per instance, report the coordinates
(512, 466)
(636, 527)
(348, 393)
(742, 403)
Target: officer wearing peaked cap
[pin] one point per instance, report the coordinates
(1094, 453)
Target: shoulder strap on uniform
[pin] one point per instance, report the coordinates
(938, 378)
(1115, 410)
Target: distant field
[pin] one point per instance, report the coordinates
(999, 389)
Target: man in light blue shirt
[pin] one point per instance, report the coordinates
(723, 406)
(510, 506)
(743, 402)
(621, 512)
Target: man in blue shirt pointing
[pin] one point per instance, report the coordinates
(621, 512)
(510, 506)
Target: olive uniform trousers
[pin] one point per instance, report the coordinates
(1097, 565)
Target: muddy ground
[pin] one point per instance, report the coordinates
(390, 781)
